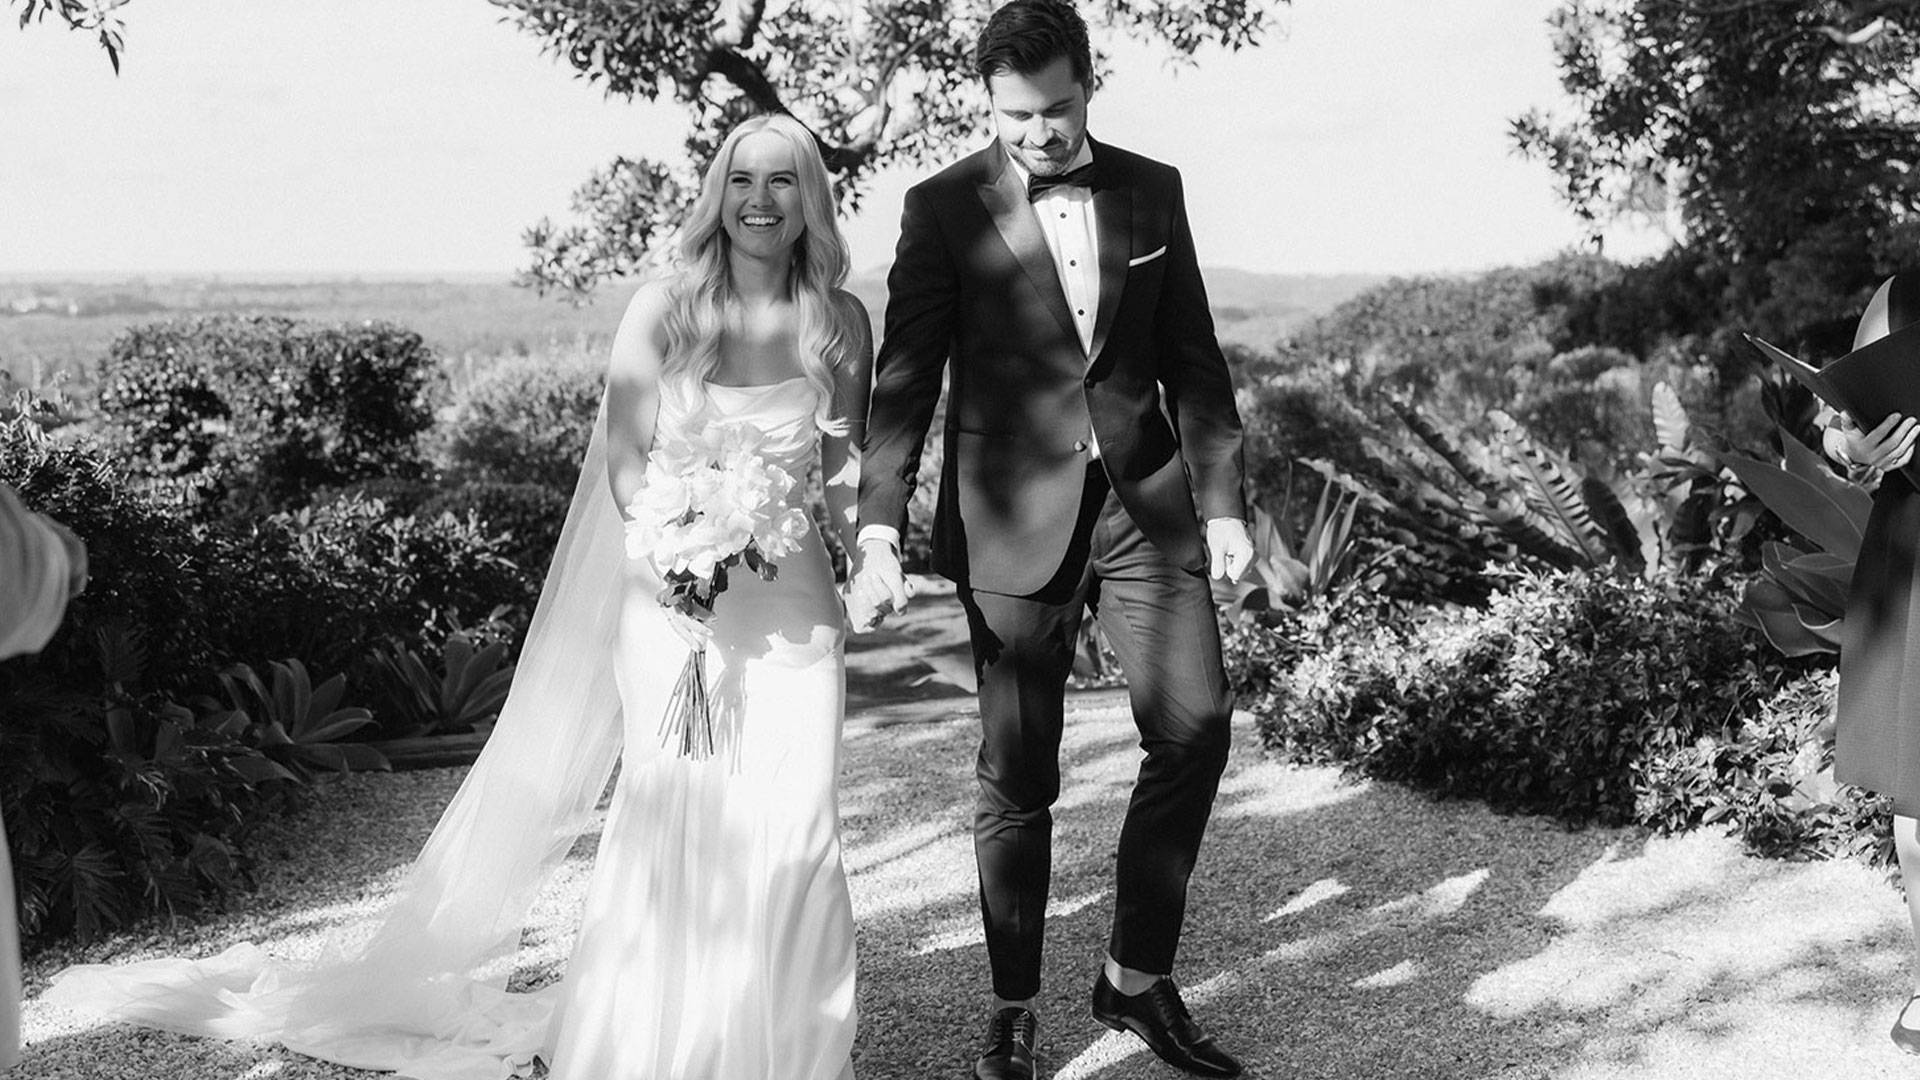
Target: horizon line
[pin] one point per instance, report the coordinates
(95, 276)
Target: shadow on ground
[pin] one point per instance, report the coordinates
(1336, 930)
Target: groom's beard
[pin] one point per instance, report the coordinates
(1052, 159)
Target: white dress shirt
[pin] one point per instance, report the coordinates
(1073, 239)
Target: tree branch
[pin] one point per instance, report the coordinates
(737, 22)
(751, 79)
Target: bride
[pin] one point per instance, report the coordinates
(716, 940)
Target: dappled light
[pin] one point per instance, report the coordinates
(1270, 788)
(1367, 915)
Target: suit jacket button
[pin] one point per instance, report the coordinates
(1079, 446)
(1087, 382)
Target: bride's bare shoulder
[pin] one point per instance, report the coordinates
(652, 297)
(642, 337)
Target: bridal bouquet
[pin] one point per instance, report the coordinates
(713, 499)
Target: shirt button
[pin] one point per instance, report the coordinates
(1080, 311)
(1063, 215)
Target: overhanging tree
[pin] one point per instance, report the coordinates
(879, 81)
(90, 16)
(1785, 133)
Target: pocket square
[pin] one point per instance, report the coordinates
(1149, 257)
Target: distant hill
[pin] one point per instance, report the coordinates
(1249, 308)
(56, 323)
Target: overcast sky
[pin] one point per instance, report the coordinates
(369, 136)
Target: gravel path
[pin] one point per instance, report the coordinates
(1338, 930)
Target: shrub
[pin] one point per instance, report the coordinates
(1769, 782)
(323, 584)
(252, 414)
(328, 583)
(118, 801)
(523, 422)
(144, 562)
(527, 515)
(1545, 701)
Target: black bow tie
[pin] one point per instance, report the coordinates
(1081, 177)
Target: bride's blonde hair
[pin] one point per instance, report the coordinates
(695, 314)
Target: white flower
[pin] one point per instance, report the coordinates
(709, 495)
(782, 536)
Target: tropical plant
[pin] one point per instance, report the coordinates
(1293, 563)
(118, 800)
(1508, 498)
(1800, 597)
(297, 725)
(1682, 487)
(467, 692)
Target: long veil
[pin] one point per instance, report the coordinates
(426, 994)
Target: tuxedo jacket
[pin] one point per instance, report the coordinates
(973, 295)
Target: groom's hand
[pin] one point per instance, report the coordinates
(879, 585)
(1229, 547)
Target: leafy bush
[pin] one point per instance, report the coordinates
(117, 800)
(327, 583)
(144, 562)
(522, 422)
(251, 414)
(1769, 781)
(527, 515)
(1547, 700)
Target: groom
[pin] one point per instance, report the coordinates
(1090, 431)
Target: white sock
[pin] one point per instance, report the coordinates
(1128, 981)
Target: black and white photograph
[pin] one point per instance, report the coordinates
(959, 539)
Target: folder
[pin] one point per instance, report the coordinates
(1868, 384)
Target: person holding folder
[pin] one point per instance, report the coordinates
(1877, 738)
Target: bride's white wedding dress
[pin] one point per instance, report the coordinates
(716, 939)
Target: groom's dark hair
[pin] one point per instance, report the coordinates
(1027, 35)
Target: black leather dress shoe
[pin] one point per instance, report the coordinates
(1161, 1020)
(1009, 1053)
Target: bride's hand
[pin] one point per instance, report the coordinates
(691, 630)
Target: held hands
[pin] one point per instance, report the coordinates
(1887, 447)
(1229, 548)
(879, 587)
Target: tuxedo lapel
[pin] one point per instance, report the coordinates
(1013, 216)
(1113, 219)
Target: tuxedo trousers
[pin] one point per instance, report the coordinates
(1161, 623)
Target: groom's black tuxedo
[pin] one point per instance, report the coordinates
(1035, 529)
(972, 281)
